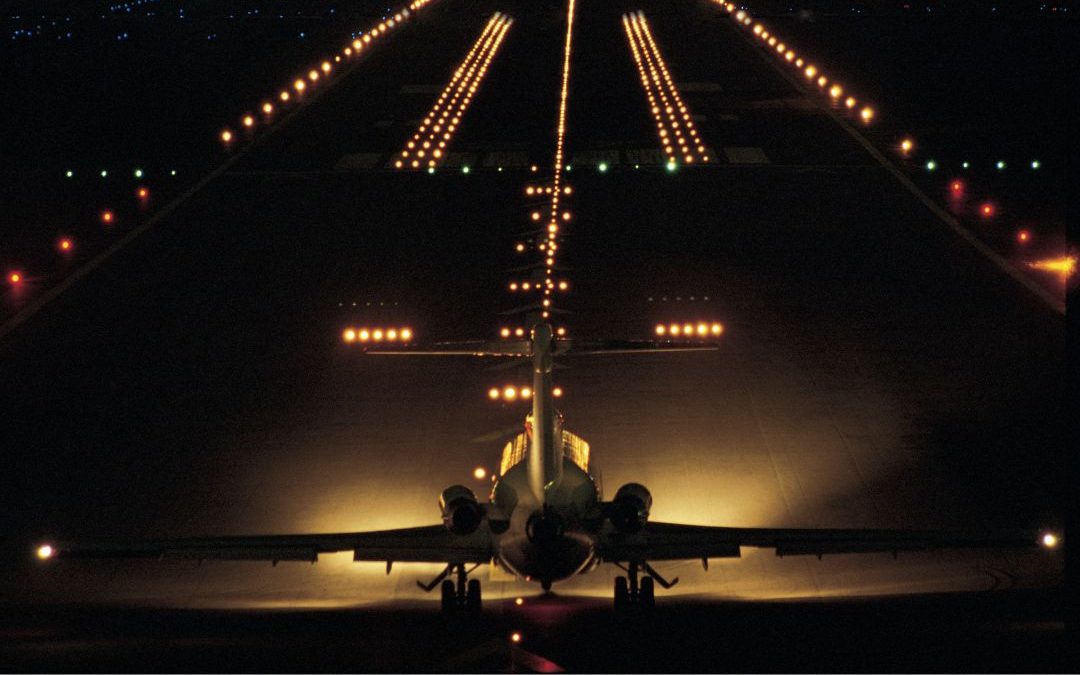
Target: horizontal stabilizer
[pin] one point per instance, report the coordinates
(538, 265)
(536, 309)
(469, 348)
(592, 347)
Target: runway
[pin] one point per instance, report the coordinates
(875, 370)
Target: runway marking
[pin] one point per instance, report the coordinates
(407, 89)
(427, 148)
(360, 160)
(512, 158)
(945, 217)
(700, 87)
(596, 157)
(746, 155)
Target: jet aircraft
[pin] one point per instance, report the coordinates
(545, 519)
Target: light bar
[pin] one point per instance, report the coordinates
(510, 393)
(367, 334)
(427, 148)
(689, 330)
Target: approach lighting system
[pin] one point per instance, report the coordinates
(368, 334)
(688, 331)
(510, 393)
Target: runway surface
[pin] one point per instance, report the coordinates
(875, 371)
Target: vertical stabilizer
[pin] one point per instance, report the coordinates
(545, 452)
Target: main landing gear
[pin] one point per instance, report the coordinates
(631, 592)
(464, 593)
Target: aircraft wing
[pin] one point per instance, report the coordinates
(433, 543)
(668, 541)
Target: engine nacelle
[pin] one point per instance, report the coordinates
(630, 508)
(461, 513)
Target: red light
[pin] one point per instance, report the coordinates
(1023, 236)
(65, 245)
(956, 186)
(15, 278)
(142, 193)
(987, 210)
(107, 216)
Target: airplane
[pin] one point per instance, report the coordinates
(545, 519)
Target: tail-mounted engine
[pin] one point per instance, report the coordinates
(461, 513)
(629, 511)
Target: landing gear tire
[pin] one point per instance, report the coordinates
(449, 597)
(622, 594)
(647, 594)
(473, 601)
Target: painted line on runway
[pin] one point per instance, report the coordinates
(945, 217)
